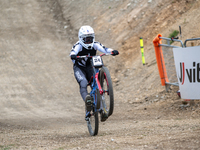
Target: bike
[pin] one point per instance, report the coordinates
(101, 92)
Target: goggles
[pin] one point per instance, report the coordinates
(88, 40)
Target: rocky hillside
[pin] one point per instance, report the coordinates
(119, 24)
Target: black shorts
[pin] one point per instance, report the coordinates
(83, 73)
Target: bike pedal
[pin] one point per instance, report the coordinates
(89, 106)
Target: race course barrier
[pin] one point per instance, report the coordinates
(180, 55)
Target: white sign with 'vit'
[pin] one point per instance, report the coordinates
(187, 62)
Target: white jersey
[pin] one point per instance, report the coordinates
(79, 50)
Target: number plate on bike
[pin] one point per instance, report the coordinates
(97, 61)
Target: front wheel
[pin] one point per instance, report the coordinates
(93, 124)
(107, 97)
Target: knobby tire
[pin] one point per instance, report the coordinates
(93, 124)
(108, 96)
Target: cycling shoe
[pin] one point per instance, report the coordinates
(88, 103)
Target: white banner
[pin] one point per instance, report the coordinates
(187, 62)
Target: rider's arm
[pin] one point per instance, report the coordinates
(75, 49)
(98, 46)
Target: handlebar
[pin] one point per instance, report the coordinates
(86, 56)
(114, 53)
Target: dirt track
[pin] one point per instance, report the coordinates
(40, 105)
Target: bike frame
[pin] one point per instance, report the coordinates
(95, 85)
(100, 75)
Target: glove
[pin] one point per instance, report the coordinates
(114, 52)
(73, 57)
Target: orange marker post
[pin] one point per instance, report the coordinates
(160, 59)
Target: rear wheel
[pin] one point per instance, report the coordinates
(93, 124)
(107, 97)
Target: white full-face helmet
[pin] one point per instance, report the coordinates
(86, 37)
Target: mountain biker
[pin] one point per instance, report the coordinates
(82, 68)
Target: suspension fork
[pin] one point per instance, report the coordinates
(107, 83)
(99, 85)
(106, 79)
(96, 74)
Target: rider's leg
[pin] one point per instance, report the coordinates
(89, 72)
(80, 76)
